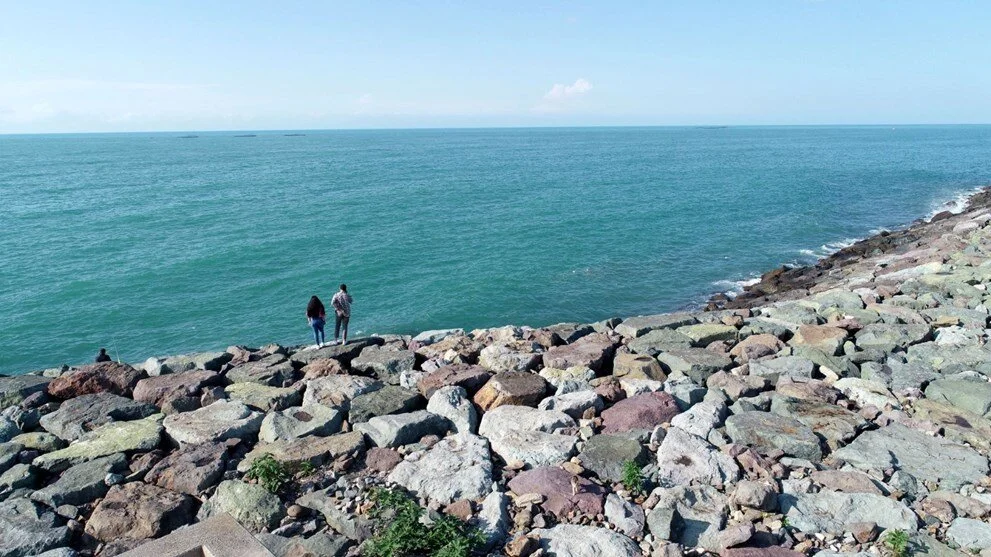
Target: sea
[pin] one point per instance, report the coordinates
(152, 244)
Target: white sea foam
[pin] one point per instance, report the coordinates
(957, 204)
(733, 288)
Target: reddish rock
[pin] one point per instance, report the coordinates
(137, 510)
(563, 492)
(322, 368)
(773, 551)
(827, 338)
(847, 481)
(166, 389)
(592, 351)
(757, 346)
(543, 337)
(611, 392)
(465, 348)
(191, 469)
(811, 390)
(470, 378)
(461, 509)
(642, 412)
(106, 377)
(382, 459)
(511, 388)
(737, 386)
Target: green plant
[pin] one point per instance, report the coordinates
(402, 533)
(632, 477)
(273, 474)
(784, 522)
(897, 542)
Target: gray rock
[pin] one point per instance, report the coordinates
(403, 429)
(458, 467)
(26, 529)
(756, 495)
(452, 403)
(390, 399)
(8, 455)
(217, 422)
(387, 365)
(952, 359)
(833, 424)
(639, 326)
(499, 358)
(573, 404)
(82, 483)
(927, 458)
(493, 518)
(115, 437)
(522, 418)
(769, 431)
(867, 393)
(354, 527)
(292, 423)
(432, 337)
(606, 454)
(250, 504)
(912, 375)
(969, 534)
(15, 389)
(570, 540)
(683, 459)
(534, 448)
(628, 518)
(264, 397)
(684, 391)
(696, 363)
(786, 366)
(274, 371)
(970, 395)
(18, 476)
(699, 514)
(835, 512)
(338, 390)
(191, 469)
(700, 419)
(659, 340)
(344, 353)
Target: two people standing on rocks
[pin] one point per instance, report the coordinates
(316, 315)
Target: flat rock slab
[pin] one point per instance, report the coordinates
(137, 510)
(274, 371)
(250, 504)
(696, 363)
(504, 419)
(835, 512)
(927, 458)
(264, 397)
(385, 363)
(606, 454)
(107, 377)
(344, 353)
(888, 337)
(15, 389)
(704, 334)
(470, 378)
(794, 367)
(970, 534)
(657, 341)
(555, 484)
(592, 352)
(338, 390)
(116, 437)
(571, 540)
(641, 325)
(387, 400)
(827, 338)
(642, 412)
(835, 425)
(973, 396)
(217, 422)
(28, 529)
(403, 429)
(81, 484)
(573, 404)
(315, 450)
(191, 469)
(534, 448)
(500, 358)
(511, 388)
(458, 467)
(85, 413)
(683, 459)
(768, 431)
(847, 481)
(164, 389)
(292, 423)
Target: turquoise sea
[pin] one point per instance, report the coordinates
(154, 244)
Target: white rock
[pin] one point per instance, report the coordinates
(452, 403)
(457, 467)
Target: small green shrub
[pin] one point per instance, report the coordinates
(897, 542)
(273, 474)
(632, 477)
(402, 534)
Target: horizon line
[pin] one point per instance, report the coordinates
(496, 127)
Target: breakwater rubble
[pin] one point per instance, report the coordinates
(842, 408)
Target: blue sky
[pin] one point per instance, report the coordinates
(135, 66)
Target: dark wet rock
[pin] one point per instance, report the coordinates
(387, 400)
(606, 454)
(87, 412)
(385, 364)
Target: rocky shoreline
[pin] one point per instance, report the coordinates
(843, 408)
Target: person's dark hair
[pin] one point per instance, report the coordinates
(344, 287)
(315, 307)
(103, 351)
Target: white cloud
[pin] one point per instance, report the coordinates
(560, 91)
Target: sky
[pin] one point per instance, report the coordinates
(99, 66)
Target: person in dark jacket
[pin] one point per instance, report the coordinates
(316, 315)
(103, 356)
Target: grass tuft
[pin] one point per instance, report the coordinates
(632, 477)
(403, 534)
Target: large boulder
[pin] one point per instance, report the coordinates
(642, 413)
(572, 540)
(793, 367)
(115, 437)
(826, 338)
(657, 341)
(106, 377)
(500, 358)
(166, 389)
(81, 484)
(28, 529)
(137, 510)
(888, 337)
(264, 397)
(511, 388)
(592, 351)
(927, 458)
(637, 366)
(563, 492)
(338, 390)
(684, 459)
(274, 371)
(250, 504)
(833, 424)
(458, 467)
(966, 394)
(291, 423)
(606, 455)
(386, 364)
(768, 431)
(403, 429)
(520, 433)
(344, 353)
(318, 451)
(573, 404)
(696, 363)
(970, 534)
(15, 389)
(690, 515)
(639, 326)
(704, 334)
(452, 403)
(219, 421)
(84, 413)
(191, 469)
(387, 400)
(470, 378)
(836, 513)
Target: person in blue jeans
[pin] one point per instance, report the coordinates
(316, 315)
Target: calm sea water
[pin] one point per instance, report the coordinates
(152, 244)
